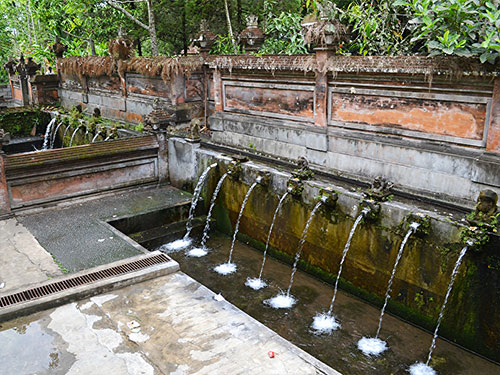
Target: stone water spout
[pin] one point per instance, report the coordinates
(234, 168)
(295, 186)
(483, 222)
(372, 209)
(302, 172)
(263, 177)
(380, 190)
(329, 197)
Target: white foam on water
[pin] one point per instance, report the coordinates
(421, 369)
(176, 245)
(324, 323)
(281, 301)
(197, 252)
(225, 268)
(372, 346)
(255, 283)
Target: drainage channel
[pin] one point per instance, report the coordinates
(118, 273)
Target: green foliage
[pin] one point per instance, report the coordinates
(376, 28)
(19, 122)
(459, 27)
(480, 231)
(283, 32)
(224, 46)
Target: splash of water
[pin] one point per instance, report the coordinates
(186, 240)
(206, 230)
(47, 136)
(54, 136)
(196, 196)
(441, 313)
(197, 252)
(175, 245)
(236, 228)
(372, 346)
(413, 228)
(324, 323)
(344, 254)
(281, 301)
(225, 268)
(257, 283)
(301, 245)
(421, 369)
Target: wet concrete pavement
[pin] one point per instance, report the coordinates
(179, 328)
(22, 260)
(76, 235)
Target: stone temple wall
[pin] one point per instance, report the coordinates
(430, 125)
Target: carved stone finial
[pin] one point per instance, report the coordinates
(10, 66)
(32, 67)
(252, 37)
(58, 48)
(160, 117)
(252, 21)
(194, 129)
(21, 66)
(205, 39)
(302, 172)
(380, 189)
(121, 48)
(486, 204)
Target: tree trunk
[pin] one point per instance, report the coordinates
(32, 22)
(152, 29)
(184, 32)
(92, 47)
(238, 13)
(230, 28)
(28, 23)
(138, 45)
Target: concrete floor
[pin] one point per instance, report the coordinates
(22, 260)
(76, 236)
(182, 329)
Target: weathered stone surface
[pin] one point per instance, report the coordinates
(181, 329)
(182, 162)
(23, 260)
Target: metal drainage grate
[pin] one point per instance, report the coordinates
(59, 286)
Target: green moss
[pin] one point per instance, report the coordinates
(222, 220)
(20, 121)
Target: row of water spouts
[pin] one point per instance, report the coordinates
(52, 130)
(323, 322)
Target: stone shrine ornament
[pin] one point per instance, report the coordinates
(252, 37)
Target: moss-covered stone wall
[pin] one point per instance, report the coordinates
(472, 317)
(20, 121)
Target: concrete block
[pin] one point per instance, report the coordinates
(182, 165)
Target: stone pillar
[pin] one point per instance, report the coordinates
(218, 91)
(4, 192)
(25, 90)
(182, 163)
(177, 88)
(493, 142)
(321, 88)
(162, 139)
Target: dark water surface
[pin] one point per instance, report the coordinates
(407, 344)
